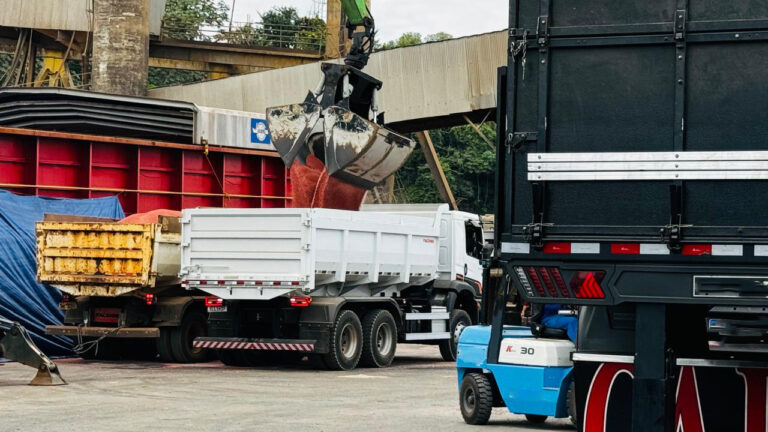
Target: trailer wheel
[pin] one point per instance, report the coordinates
(164, 345)
(379, 339)
(476, 398)
(459, 320)
(194, 324)
(346, 344)
(535, 419)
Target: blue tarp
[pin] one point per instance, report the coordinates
(22, 299)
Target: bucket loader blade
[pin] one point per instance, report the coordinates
(359, 151)
(291, 126)
(16, 345)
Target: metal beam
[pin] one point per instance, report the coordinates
(433, 161)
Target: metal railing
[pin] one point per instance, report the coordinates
(254, 34)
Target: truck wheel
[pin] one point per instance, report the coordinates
(346, 344)
(535, 419)
(571, 401)
(164, 345)
(230, 357)
(379, 339)
(194, 324)
(476, 398)
(459, 320)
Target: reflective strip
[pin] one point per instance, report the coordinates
(761, 250)
(516, 248)
(262, 346)
(585, 248)
(727, 250)
(653, 249)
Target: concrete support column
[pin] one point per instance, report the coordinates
(120, 46)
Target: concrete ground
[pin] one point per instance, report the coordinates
(418, 393)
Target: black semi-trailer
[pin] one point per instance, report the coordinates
(633, 181)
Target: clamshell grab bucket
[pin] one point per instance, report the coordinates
(359, 151)
(291, 126)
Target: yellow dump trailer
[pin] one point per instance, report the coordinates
(122, 294)
(108, 258)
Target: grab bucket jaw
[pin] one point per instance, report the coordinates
(359, 151)
(291, 126)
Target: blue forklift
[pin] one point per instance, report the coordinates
(527, 369)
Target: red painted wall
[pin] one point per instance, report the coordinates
(144, 175)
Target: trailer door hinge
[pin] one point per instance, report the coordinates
(516, 140)
(542, 31)
(680, 19)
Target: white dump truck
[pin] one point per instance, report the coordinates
(344, 286)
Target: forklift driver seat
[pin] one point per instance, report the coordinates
(539, 330)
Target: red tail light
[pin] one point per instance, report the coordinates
(534, 277)
(214, 302)
(560, 282)
(150, 299)
(300, 301)
(548, 281)
(586, 284)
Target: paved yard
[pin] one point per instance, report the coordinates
(417, 393)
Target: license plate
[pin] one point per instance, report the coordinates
(67, 306)
(212, 309)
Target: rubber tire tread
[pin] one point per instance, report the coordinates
(164, 346)
(447, 350)
(333, 359)
(483, 398)
(371, 358)
(181, 352)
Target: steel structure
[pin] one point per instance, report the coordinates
(145, 175)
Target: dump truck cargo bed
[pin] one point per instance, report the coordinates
(107, 258)
(259, 254)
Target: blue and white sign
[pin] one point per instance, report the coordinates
(260, 132)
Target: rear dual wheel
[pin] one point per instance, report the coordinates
(379, 339)
(175, 343)
(346, 342)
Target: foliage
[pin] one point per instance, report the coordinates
(184, 18)
(282, 27)
(411, 38)
(468, 163)
(159, 77)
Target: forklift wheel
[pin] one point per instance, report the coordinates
(535, 419)
(476, 399)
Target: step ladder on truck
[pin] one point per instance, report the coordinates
(345, 286)
(632, 184)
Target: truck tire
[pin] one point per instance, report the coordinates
(459, 319)
(476, 398)
(379, 339)
(231, 357)
(164, 345)
(346, 342)
(193, 324)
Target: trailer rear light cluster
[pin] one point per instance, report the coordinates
(549, 282)
(150, 299)
(214, 302)
(300, 300)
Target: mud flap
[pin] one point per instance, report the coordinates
(16, 345)
(359, 151)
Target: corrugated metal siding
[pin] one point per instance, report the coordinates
(425, 81)
(62, 14)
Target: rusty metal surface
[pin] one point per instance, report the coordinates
(136, 332)
(107, 258)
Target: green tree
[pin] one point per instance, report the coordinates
(437, 37)
(184, 19)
